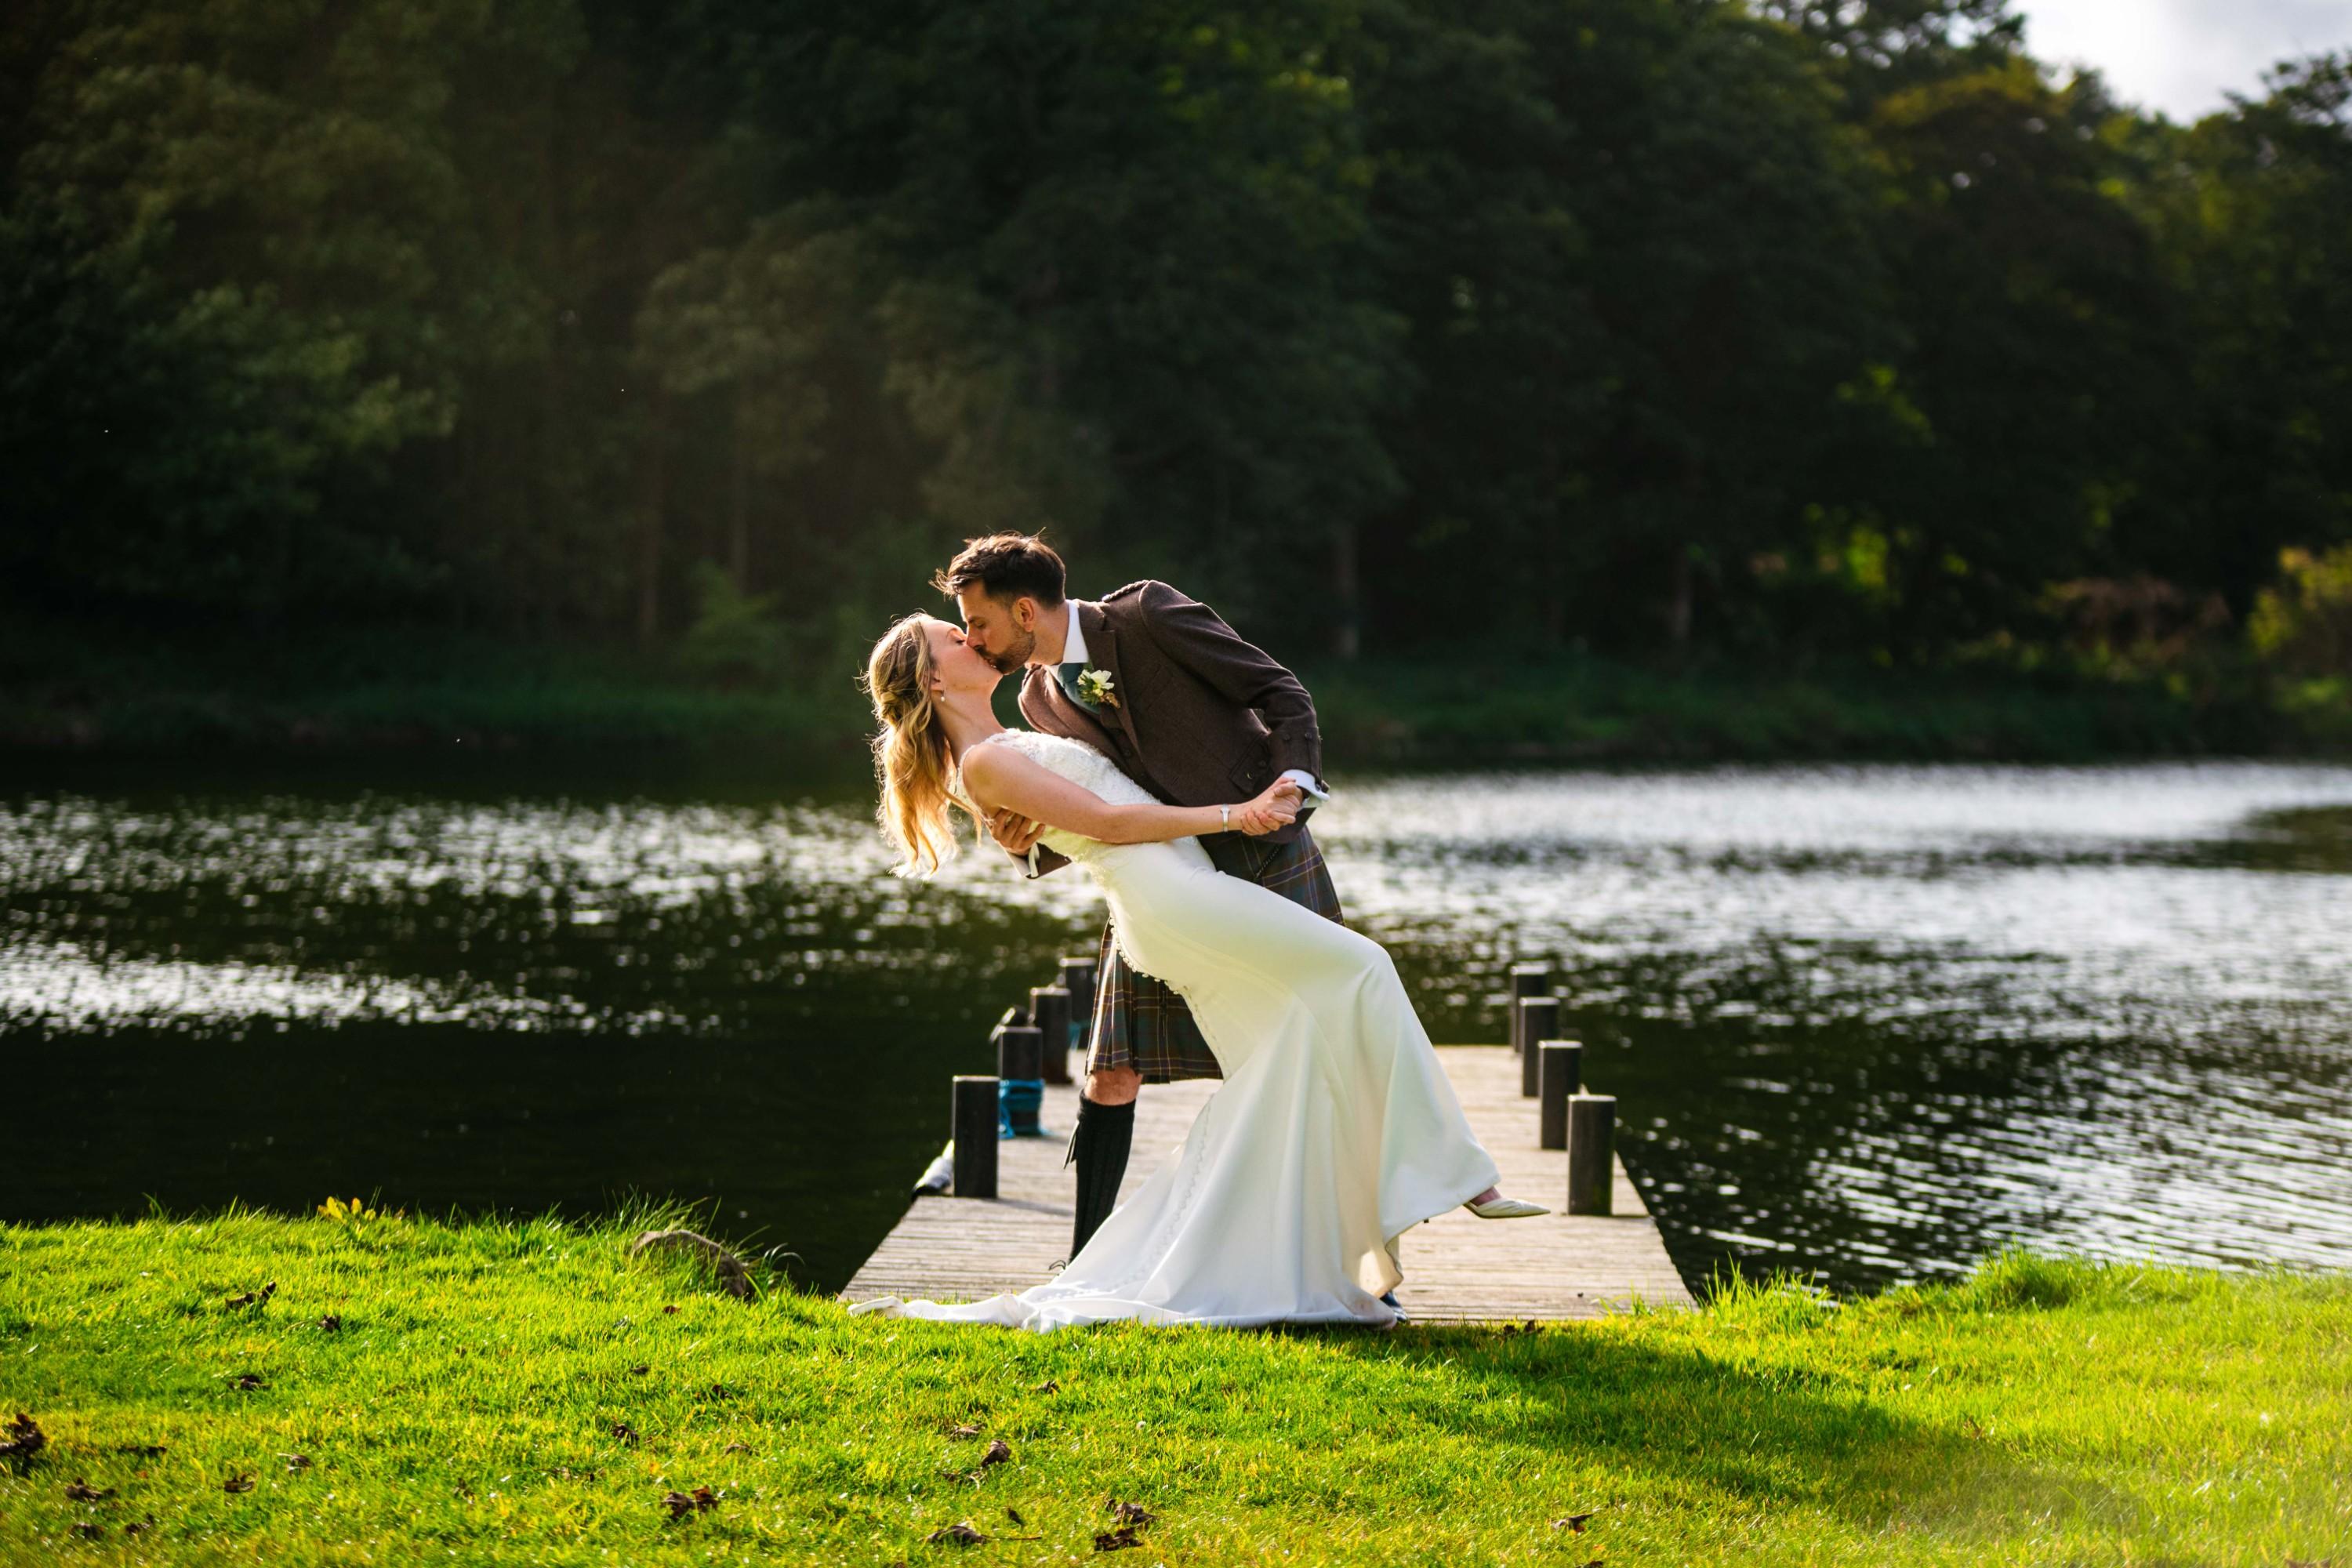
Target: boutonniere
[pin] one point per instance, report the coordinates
(1094, 686)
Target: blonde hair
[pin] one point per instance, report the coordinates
(910, 750)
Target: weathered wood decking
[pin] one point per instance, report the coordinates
(1457, 1268)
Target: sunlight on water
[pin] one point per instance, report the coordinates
(1867, 1022)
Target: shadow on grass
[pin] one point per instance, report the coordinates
(1743, 1434)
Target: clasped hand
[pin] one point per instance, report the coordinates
(1276, 807)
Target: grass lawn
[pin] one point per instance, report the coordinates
(524, 1392)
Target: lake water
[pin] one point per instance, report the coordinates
(1867, 1024)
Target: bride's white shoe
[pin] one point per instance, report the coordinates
(1504, 1208)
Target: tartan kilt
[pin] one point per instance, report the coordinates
(1138, 1022)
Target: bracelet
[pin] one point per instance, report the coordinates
(1224, 817)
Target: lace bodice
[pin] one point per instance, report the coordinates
(1082, 766)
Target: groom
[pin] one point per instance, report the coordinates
(1158, 682)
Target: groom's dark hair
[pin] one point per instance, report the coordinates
(1007, 566)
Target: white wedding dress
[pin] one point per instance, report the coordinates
(1335, 1130)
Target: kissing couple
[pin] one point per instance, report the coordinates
(1178, 763)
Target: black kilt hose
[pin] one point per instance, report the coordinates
(1138, 1022)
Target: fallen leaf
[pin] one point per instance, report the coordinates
(1574, 1521)
(998, 1452)
(144, 1451)
(622, 1430)
(82, 1491)
(1015, 1515)
(1118, 1540)
(959, 1533)
(295, 1461)
(237, 1484)
(963, 1432)
(253, 1298)
(331, 1322)
(90, 1531)
(1049, 1386)
(669, 1312)
(699, 1500)
(639, 1371)
(737, 1448)
(1133, 1513)
(721, 1391)
(25, 1439)
(248, 1381)
(142, 1527)
(1972, 1427)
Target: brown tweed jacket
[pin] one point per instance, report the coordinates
(1203, 719)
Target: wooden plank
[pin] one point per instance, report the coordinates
(1458, 1268)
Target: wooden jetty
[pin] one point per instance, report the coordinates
(1458, 1268)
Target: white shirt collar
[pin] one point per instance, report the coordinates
(1073, 641)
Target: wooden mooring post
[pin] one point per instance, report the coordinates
(1592, 1152)
(1526, 980)
(1049, 1011)
(1537, 1020)
(974, 1121)
(1559, 1073)
(1079, 979)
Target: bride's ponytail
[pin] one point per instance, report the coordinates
(910, 750)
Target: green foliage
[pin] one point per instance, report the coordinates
(734, 636)
(2305, 623)
(1787, 330)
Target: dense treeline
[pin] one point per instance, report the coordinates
(1783, 330)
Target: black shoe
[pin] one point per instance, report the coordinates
(1390, 1301)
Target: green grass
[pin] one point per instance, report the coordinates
(2043, 1412)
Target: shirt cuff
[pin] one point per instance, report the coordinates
(1306, 785)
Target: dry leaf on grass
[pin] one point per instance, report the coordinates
(246, 1382)
(1133, 1513)
(88, 1530)
(963, 1430)
(82, 1491)
(295, 1461)
(699, 1500)
(1574, 1521)
(331, 1322)
(626, 1433)
(253, 1298)
(1118, 1540)
(735, 1448)
(142, 1527)
(144, 1451)
(998, 1452)
(959, 1533)
(25, 1439)
(240, 1483)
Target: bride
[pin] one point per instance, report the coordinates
(1335, 1130)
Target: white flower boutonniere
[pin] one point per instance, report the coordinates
(1094, 686)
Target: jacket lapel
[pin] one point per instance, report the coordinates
(1102, 650)
(1044, 704)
